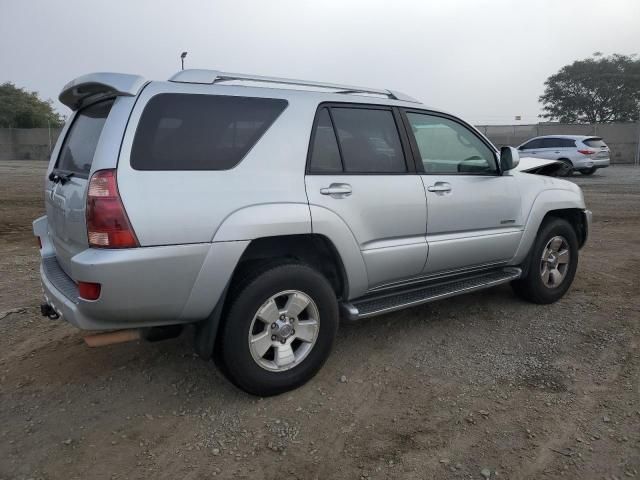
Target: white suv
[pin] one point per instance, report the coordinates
(261, 210)
(583, 153)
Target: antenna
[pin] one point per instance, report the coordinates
(182, 57)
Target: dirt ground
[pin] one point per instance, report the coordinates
(483, 384)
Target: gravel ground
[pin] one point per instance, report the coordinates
(481, 386)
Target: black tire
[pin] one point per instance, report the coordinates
(238, 363)
(588, 171)
(567, 170)
(532, 287)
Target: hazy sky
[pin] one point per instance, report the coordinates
(485, 60)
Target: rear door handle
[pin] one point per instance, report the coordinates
(440, 187)
(337, 190)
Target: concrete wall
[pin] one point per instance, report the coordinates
(27, 143)
(622, 138)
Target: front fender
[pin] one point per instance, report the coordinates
(545, 202)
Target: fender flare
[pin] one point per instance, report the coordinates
(277, 219)
(264, 220)
(335, 229)
(546, 201)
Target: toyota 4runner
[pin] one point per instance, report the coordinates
(261, 210)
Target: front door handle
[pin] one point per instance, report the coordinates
(337, 190)
(440, 187)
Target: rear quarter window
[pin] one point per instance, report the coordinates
(200, 132)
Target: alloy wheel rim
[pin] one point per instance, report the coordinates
(554, 262)
(284, 330)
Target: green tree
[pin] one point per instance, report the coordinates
(22, 109)
(595, 90)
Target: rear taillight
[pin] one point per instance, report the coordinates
(107, 223)
(88, 290)
(587, 152)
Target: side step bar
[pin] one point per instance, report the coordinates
(370, 306)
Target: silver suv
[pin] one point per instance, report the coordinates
(261, 210)
(585, 154)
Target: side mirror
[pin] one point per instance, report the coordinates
(509, 158)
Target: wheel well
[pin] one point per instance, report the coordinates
(314, 250)
(576, 219)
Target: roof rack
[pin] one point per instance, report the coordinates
(214, 76)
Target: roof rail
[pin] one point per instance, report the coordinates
(214, 76)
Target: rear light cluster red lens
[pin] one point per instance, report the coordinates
(88, 290)
(107, 223)
(586, 152)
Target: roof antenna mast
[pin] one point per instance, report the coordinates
(182, 57)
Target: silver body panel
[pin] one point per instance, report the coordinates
(194, 226)
(477, 222)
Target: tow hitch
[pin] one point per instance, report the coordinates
(48, 311)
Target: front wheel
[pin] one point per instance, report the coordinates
(279, 329)
(567, 167)
(552, 263)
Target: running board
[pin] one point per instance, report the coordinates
(370, 306)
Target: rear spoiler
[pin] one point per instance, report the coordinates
(95, 86)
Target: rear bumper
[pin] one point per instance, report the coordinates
(140, 287)
(588, 163)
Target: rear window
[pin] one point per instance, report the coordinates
(79, 147)
(200, 132)
(594, 142)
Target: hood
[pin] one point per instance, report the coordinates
(540, 166)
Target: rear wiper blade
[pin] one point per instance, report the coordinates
(59, 176)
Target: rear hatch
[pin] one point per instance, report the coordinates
(597, 144)
(66, 185)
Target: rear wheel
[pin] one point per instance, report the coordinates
(588, 171)
(552, 263)
(279, 329)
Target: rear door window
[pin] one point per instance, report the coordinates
(369, 140)
(200, 132)
(550, 143)
(79, 147)
(594, 142)
(567, 143)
